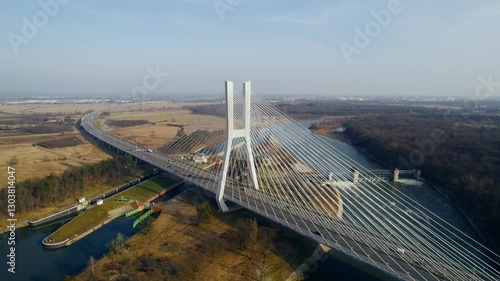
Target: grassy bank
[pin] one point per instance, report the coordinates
(98, 214)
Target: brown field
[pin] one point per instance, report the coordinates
(49, 108)
(34, 161)
(159, 133)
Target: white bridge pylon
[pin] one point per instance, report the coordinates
(231, 134)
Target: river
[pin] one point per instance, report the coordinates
(334, 269)
(33, 262)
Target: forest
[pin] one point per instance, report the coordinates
(61, 142)
(34, 194)
(126, 123)
(462, 157)
(456, 148)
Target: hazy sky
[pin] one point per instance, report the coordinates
(428, 47)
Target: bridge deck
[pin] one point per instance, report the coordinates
(344, 237)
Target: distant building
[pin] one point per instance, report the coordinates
(199, 158)
(81, 200)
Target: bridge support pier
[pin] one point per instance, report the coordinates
(416, 174)
(355, 178)
(396, 175)
(233, 134)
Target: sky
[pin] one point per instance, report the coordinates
(285, 47)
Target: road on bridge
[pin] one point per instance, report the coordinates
(311, 223)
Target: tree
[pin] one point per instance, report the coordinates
(213, 246)
(147, 226)
(266, 239)
(189, 265)
(204, 213)
(253, 231)
(247, 233)
(117, 245)
(90, 265)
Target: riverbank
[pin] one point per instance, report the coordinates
(343, 137)
(301, 272)
(97, 216)
(329, 131)
(176, 247)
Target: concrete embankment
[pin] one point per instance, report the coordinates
(123, 187)
(49, 243)
(56, 216)
(111, 216)
(78, 208)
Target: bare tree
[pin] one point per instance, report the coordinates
(91, 265)
(13, 160)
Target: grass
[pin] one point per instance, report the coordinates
(36, 162)
(98, 214)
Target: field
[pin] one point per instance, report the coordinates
(58, 109)
(18, 148)
(35, 161)
(99, 214)
(159, 132)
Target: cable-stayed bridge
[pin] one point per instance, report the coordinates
(267, 163)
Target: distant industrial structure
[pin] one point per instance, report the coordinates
(384, 175)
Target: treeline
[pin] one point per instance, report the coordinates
(126, 123)
(48, 128)
(462, 154)
(208, 109)
(34, 194)
(315, 109)
(58, 143)
(38, 119)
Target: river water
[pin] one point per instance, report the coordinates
(334, 269)
(33, 262)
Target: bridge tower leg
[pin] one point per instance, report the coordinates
(231, 135)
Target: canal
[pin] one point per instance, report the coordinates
(33, 262)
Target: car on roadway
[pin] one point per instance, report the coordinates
(398, 250)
